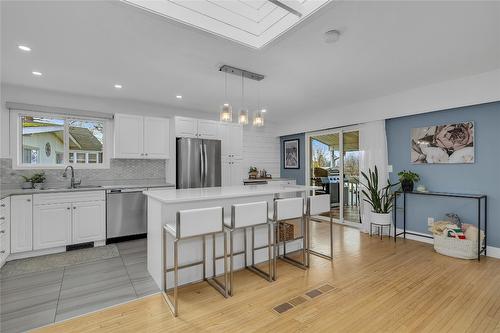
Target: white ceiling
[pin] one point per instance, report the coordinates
(254, 23)
(86, 47)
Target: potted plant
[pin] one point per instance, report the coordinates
(27, 184)
(381, 199)
(407, 180)
(38, 179)
(253, 172)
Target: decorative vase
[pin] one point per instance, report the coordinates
(38, 186)
(382, 218)
(407, 185)
(27, 185)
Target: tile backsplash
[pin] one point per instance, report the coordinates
(120, 171)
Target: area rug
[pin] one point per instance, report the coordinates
(58, 260)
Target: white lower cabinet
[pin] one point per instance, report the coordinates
(232, 174)
(51, 226)
(21, 223)
(88, 221)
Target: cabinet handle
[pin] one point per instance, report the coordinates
(2, 205)
(74, 207)
(2, 218)
(146, 154)
(29, 200)
(2, 231)
(3, 251)
(68, 208)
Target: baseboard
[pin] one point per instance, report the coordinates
(493, 252)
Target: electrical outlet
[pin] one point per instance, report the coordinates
(389, 168)
(430, 221)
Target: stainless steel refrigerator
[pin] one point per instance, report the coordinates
(198, 163)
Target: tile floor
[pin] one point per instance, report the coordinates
(37, 299)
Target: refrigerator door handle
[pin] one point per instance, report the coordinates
(205, 165)
(202, 162)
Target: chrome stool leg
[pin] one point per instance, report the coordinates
(269, 274)
(171, 304)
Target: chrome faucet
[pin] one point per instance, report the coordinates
(73, 182)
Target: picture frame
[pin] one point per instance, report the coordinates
(451, 143)
(291, 154)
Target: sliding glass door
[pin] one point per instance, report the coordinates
(333, 167)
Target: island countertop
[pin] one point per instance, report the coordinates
(225, 192)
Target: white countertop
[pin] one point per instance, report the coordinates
(226, 192)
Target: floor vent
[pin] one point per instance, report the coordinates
(296, 301)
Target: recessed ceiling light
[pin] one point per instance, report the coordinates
(263, 110)
(178, 96)
(331, 36)
(118, 86)
(24, 48)
(36, 73)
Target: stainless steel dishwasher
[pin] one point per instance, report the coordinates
(126, 214)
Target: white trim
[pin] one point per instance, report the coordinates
(493, 252)
(57, 110)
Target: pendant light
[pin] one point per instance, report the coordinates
(258, 115)
(226, 113)
(243, 116)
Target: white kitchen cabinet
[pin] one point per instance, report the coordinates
(232, 174)
(129, 136)
(196, 128)
(156, 137)
(21, 223)
(51, 225)
(88, 221)
(141, 137)
(231, 135)
(4, 230)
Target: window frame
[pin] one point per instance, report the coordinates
(17, 142)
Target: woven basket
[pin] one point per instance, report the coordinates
(454, 247)
(286, 231)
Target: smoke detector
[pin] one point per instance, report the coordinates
(331, 36)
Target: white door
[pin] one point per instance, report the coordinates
(236, 139)
(236, 173)
(156, 137)
(129, 136)
(226, 172)
(89, 221)
(207, 129)
(21, 223)
(51, 226)
(186, 127)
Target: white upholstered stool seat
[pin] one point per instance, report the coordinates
(244, 216)
(189, 224)
(288, 209)
(317, 205)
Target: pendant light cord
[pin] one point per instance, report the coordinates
(242, 91)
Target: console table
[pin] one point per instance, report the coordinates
(477, 197)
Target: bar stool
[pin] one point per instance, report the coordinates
(316, 205)
(243, 216)
(288, 209)
(189, 224)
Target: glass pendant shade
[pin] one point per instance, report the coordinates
(243, 117)
(226, 113)
(258, 119)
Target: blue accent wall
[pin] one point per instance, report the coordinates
(298, 174)
(481, 177)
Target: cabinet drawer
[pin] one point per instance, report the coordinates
(64, 197)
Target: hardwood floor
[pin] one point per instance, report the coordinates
(379, 287)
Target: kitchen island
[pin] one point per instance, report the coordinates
(164, 204)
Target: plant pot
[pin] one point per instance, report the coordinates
(382, 219)
(27, 185)
(407, 185)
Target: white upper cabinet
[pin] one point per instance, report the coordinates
(195, 128)
(129, 136)
(21, 223)
(141, 137)
(232, 140)
(156, 137)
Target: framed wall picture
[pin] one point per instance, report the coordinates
(291, 154)
(444, 144)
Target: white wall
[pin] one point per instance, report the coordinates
(261, 148)
(470, 90)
